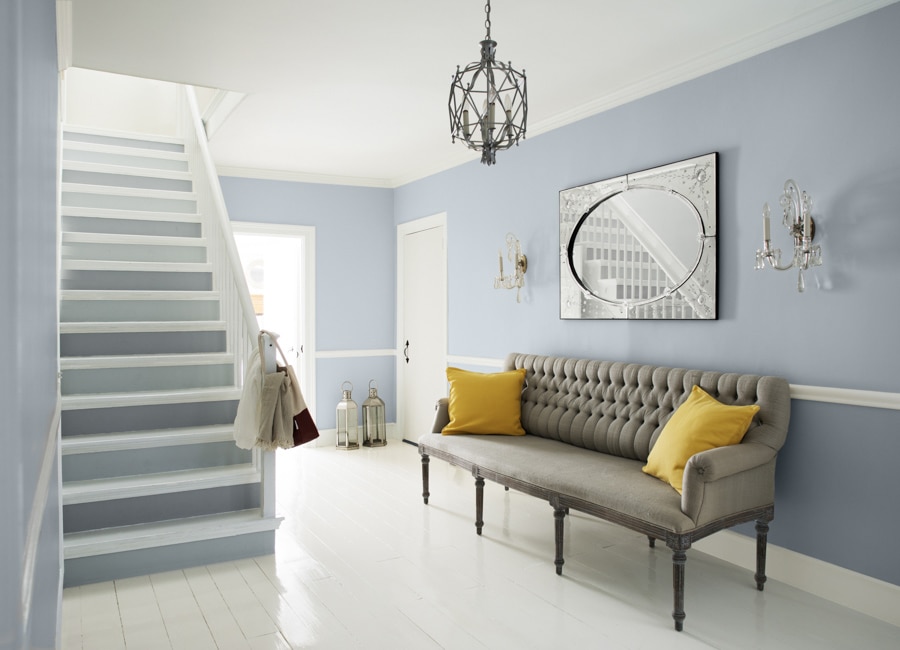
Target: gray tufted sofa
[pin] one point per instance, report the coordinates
(589, 428)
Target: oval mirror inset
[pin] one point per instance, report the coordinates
(636, 246)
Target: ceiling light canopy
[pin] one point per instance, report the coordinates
(488, 105)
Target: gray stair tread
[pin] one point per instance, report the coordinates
(113, 400)
(102, 327)
(104, 442)
(146, 360)
(124, 487)
(162, 533)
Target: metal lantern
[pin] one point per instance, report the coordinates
(373, 419)
(347, 436)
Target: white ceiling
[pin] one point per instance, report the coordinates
(356, 91)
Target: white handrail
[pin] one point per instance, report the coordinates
(236, 307)
(228, 275)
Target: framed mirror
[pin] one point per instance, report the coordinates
(642, 245)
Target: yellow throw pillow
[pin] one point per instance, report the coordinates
(699, 424)
(485, 403)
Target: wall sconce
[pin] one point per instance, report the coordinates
(796, 206)
(515, 280)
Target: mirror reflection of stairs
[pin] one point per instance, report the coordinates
(152, 479)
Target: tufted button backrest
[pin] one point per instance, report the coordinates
(621, 408)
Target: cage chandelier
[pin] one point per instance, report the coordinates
(481, 93)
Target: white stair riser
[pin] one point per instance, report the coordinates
(141, 342)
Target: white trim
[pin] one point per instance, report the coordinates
(147, 360)
(853, 397)
(64, 34)
(847, 588)
(485, 362)
(222, 105)
(134, 267)
(354, 354)
(849, 396)
(150, 398)
(303, 177)
(38, 507)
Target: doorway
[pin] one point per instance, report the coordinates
(279, 265)
(421, 322)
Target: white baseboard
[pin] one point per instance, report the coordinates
(328, 437)
(850, 589)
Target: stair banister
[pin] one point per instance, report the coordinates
(228, 276)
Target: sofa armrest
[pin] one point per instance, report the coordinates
(441, 415)
(727, 480)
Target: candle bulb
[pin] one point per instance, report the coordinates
(807, 226)
(500, 256)
(766, 236)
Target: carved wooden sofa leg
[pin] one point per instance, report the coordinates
(425, 493)
(559, 517)
(762, 531)
(679, 545)
(479, 503)
(652, 541)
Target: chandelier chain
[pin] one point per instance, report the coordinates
(487, 20)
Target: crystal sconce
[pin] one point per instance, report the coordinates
(796, 206)
(516, 279)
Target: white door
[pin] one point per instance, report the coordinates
(279, 264)
(422, 323)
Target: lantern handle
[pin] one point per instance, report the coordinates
(344, 389)
(372, 381)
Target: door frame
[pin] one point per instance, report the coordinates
(308, 298)
(438, 220)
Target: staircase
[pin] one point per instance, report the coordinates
(152, 479)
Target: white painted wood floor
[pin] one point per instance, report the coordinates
(360, 562)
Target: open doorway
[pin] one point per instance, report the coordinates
(279, 265)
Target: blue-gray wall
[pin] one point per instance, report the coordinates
(355, 270)
(28, 117)
(824, 110)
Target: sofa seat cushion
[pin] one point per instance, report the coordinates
(572, 471)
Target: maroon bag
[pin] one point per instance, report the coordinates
(304, 428)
